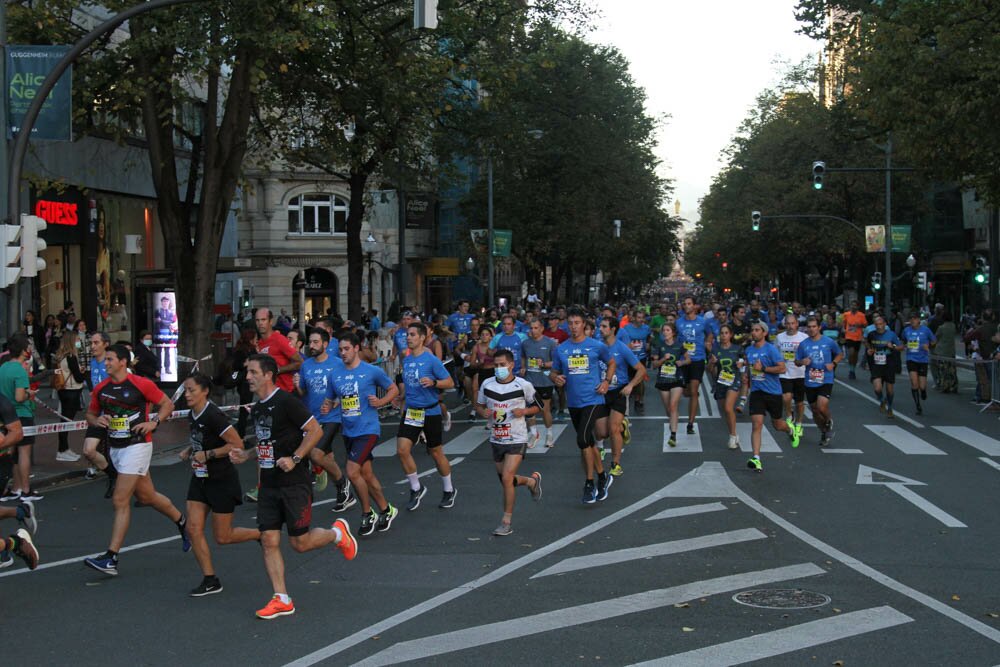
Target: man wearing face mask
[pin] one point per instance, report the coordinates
(145, 363)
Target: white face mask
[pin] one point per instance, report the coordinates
(502, 372)
(148, 342)
(78, 345)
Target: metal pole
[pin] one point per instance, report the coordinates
(994, 283)
(402, 241)
(888, 224)
(371, 287)
(489, 233)
(11, 291)
(302, 303)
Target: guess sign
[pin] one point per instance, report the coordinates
(57, 212)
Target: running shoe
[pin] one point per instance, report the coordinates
(626, 431)
(415, 497)
(536, 491)
(617, 470)
(91, 473)
(251, 495)
(823, 440)
(68, 456)
(26, 549)
(347, 544)
(446, 421)
(10, 495)
(322, 479)
(690, 429)
(350, 501)
(385, 519)
(793, 435)
(368, 523)
(185, 538)
(799, 430)
(852, 376)
(448, 499)
(589, 492)
(920, 410)
(734, 442)
(561, 415)
(672, 441)
(27, 516)
(741, 405)
(276, 608)
(890, 414)
(110, 490)
(754, 464)
(503, 529)
(602, 452)
(533, 438)
(923, 394)
(550, 441)
(6, 559)
(105, 563)
(881, 407)
(31, 494)
(603, 484)
(208, 586)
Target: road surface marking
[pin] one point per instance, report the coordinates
(786, 640)
(455, 461)
(687, 510)
(841, 451)
(556, 431)
(661, 549)
(897, 484)
(466, 442)
(686, 444)
(871, 399)
(79, 559)
(591, 612)
(992, 464)
(904, 441)
(710, 480)
(767, 442)
(983, 443)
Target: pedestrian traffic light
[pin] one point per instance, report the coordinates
(877, 281)
(819, 170)
(31, 263)
(725, 266)
(246, 298)
(10, 271)
(755, 220)
(982, 275)
(922, 280)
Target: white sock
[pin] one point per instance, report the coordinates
(338, 533)
(541, 430)
(446, 482)
(414, 481)
(599, 443)
(284, 597)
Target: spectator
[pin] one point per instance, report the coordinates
(231, 331)
(145, 362)
(944, 368)
(245, 346)
(72, 380)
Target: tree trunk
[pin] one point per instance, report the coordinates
(355, 257)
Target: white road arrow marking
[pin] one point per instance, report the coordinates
(898, 484)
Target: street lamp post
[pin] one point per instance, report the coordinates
(489, 227)
(370, 245)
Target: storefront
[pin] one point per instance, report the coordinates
(321, 294)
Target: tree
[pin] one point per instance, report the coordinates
(189, 77)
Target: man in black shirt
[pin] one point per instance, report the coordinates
(286, 432)
(19, 544)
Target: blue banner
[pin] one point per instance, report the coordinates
(27, 67)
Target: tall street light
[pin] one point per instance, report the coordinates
(369, 246)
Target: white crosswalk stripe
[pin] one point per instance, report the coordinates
(540, 448)
(983, 443)
(686, 444)
(903, 440)
(687, 510)
(767, 442)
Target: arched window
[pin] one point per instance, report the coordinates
(316, 214)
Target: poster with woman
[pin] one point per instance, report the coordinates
(165, 333)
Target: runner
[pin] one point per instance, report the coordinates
(765, 366)
(20, 543)
(316, 386)
(728, 358)
(537, 351)
(273, 343)
(741, 337)
(356, 385)
(560, 336)
(793, 382)
(670, 357)
(882, 343)
(286, 432)
(93, 439)
(215, 483)
(505, 400)
(121, 407)
(820, 355)
(423, 376)
(854, 327)
(576, 366)
(630, 374)
(919, 341)
(509, 339)
(636, 335)
(695, 334)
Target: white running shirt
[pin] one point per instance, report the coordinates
(501, 399)
(788, 345)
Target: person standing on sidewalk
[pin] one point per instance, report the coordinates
(73, 381)
(94, 436)
(15, 386)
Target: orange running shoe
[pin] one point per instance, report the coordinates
(347, 544)
(276, 608)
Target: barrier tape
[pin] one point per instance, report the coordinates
(64, 427)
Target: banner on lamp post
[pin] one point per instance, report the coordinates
(875, 238)
(502, 241)
(27, 68)
(901, 238)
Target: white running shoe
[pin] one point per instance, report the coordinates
(734, 442)
(533, 438)
(446, 422)
(549, 440)
(69, 456)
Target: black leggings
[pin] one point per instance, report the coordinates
(69, 408)
(584, 419)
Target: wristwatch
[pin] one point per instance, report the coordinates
(296, 459)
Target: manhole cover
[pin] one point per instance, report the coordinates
(782, 598)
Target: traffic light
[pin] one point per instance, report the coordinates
(246, 298)
(982, 275)
(877, 281)
(755, 220)
(725, 266)
(922, 280)
(31, 263)
(819, 170)
(11, 270)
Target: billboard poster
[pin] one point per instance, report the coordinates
(875, 238)
(27, 69)
(165, 333)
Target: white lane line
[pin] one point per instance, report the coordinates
(992, 464)
(904, 441)
(686, 444)
(786, 640)
(664, 417)
(455, 461)
(540, 448)
(930, 508)
(466, 442)
(514, 628)
(983, 443)
(687, 510)
(710, 480)
(767, 442)
(661, 549)
(365, 634)
(385, 449)
(841, 451)
(871, 399)
(79, 559)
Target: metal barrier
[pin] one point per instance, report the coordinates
(986, 374)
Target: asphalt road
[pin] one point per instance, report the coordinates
(896, 527)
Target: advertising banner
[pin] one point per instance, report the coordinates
(875, 238)
(165, 334)
(27, 67)
(901, 238)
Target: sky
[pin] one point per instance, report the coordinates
(703, 63)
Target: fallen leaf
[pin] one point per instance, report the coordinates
(314, 581)
(838, 663)
(472, 539)
(836, 610)
(956, 598)
(682, 605)
(93, 583)
(687, 629)
(376, 637)
(993, 614)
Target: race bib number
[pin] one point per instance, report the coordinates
(817, 375)
(534, 364)
(265, 455)
(727, 378)
(118, 428)
(351, 406)
(635, 345)
(414, 417)
(789, 355)
(772, 337)
(913, 345)
(880, 358)
(756, 375)
(690, 347)
(501, 433)
(200, 469)
(670, 370)
(579, 364)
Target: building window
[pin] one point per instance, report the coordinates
(317, 214)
